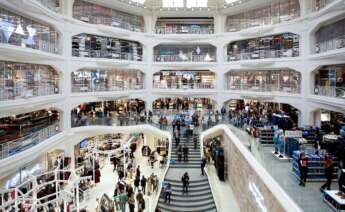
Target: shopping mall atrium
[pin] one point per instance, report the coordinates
(172, 105)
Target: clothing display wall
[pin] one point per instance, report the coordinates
(86, 45)
(175, 53)
(330, 81)
(21, 31)
(330, 37)
(184, 26)
(274, 13)
(96, 14)
(184, 79)
(275, 46)
(265, 80)
(23, 80)
(88, 80)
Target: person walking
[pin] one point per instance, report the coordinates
(167, 193)
(185, 153)
(136, 183)
(203, 164)
(195, 140)
(179, 153)
(329, 170)
(185, 183)
(303, 168)
(143, 184)
(131, 202)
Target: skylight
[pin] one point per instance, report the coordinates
(196, 3)
(172, 3)
(230, 1)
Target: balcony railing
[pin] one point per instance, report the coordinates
(287, 88)
(319, 4)
(14, 93)
(185, 58)
(182, 86)
(330, 91)
(336, 43)
(113, 22)
(203, 30)
(106, 54)
(53, 5)
(77, 88)
(13, 147)
(263, 54)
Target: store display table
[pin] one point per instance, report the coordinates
(334, 201)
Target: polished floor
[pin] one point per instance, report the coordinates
(309, 198)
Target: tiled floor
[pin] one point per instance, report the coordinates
(308, 198)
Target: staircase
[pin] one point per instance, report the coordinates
(199, 198)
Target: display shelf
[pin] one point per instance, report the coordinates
(316, 167)
(334, 201)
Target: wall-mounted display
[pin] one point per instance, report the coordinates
(86, 45)
(184, 79)
(95, 80)
(184, 26)
(185, 53)
(275, 46)
(97, 14)
(288, 81)
(274, 13)
(24, 80)
(21, 31)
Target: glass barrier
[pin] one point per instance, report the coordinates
(87, 80)
(277, 46)
(11, 148)
(330, 91)
(96, 14)
(23, 80)
(86, 45)
(185, 29)
(277, 12)
(187, 53)
(330, 36)
(53, 5)
(184, 80)
(288, 81)
(20, 31)
(317, 5)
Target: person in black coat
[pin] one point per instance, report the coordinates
(303, 168)
(143, 184)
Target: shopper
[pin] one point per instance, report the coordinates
(203, 164)
(140, 202)
(136, 183)
(97, 176)
(185, 183)
(143, 184)
(185, 153)
(167, 193)
(179, 153)
(195, 140)
(329, 170)
(137, 173)
(131, 202)
(303, 168)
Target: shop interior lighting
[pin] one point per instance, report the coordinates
(207, 57)
(19, 29)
